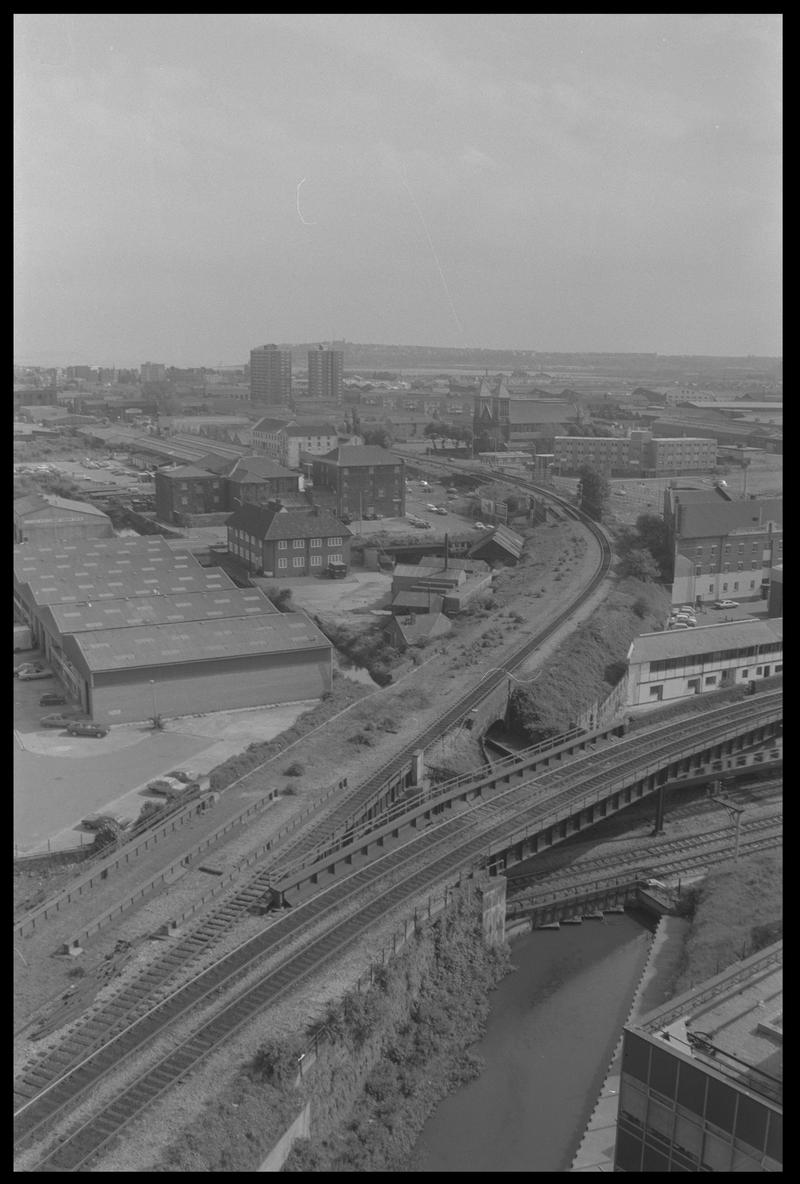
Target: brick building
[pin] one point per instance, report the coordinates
(638, 453)
(722, 550)
(217, 485)
(364, 479)
(284, 543)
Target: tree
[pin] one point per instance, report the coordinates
(641, 565)
(593, 492)
(434, 432)
(378, 436)
(652, 533)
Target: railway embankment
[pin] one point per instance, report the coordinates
(382, 1057)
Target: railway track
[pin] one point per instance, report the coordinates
(521, 879)
(452, 844)
(658, 856)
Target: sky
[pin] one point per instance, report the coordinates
(190, 186)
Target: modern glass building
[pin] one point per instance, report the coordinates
(701, 1087)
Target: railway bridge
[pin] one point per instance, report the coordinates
(589, 778)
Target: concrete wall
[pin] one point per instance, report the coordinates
(493, 898)
(300, 1129)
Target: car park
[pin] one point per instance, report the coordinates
(725, 604)
(52, 699)
(79, 727)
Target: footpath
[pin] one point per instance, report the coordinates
(596, 1151)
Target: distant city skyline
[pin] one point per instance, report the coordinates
(563, 183)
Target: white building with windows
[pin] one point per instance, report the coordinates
(284, 440)
(674, 664)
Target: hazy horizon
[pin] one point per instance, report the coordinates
(188, 187)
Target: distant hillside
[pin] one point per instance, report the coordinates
(645, 366)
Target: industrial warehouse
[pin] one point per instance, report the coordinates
(136, 630)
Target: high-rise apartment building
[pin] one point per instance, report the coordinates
(153, 371)
(270, 375)
(325, 371)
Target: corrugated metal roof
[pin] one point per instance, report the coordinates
(508, 539)
(181, 472)
(158, 610)
(685, 643)
(85, 587)
(35, 503)
(196, 641)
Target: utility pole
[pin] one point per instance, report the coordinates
(734, 813)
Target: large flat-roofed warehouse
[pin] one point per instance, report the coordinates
(198, 666)
(139, 629)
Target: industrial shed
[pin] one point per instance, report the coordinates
(39, 518)
(138, 672)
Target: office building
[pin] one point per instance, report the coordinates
(325, 372)
(270, 375)
(701, 1087)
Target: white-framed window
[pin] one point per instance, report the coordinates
(283, 563)
(298, 544)
(316, 561)
(335, 559)
(298, 561)
(316, 542)
(334, 542)
(745, 673)
(282, 545)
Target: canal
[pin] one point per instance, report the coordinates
(551, 1033)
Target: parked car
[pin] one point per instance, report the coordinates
(59, 719)
(181, 775)
(26, 675)
(80, 727)
(725, 604)
(23, 667)
(440, 509)
(424, 484)
(679, 625)
(431, 506)
(52, 699)
(478, 526)
(687, 608)
(451, 491)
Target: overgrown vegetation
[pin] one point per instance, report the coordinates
(385, 1058)
(344, 693)
(738, 910)
(368, 648)
(588, 664)
(593, 492)
(645, 549)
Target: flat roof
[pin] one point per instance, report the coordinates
(732, 1023)
(159, 610)
(83, 587)
(703, 639)
(195, 641)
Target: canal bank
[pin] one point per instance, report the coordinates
(551, 1031)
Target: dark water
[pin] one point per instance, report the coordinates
(553, 1028)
